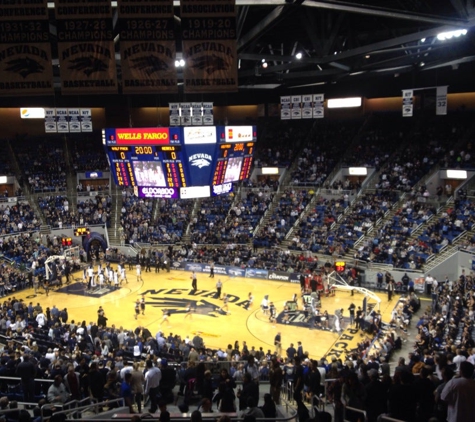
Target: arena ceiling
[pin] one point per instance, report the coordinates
(371, 48)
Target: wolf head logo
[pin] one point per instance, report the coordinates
(210, 64)
(200, 163)
(88, 65)
(149, 64)
(24, 66)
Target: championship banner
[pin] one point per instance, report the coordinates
(209, 45)
(318, 109)
(86, 47)
(50, 120)
(185, 118)
(196, 114)
(74, 120)
(296, 107)
(307, 107)
(285, 108)
(441, 101)
(208, 117)
(25, 52)
(407, 103)
(62, 120)
(174, 112)
(86, 119)
(147, 46)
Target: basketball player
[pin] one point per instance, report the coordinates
(285, 318)
(90, 276)
(166, 315)
(138, 268)
(101, 279)
(137, 308)
(194, 281)
(265, 304)
(211, 270)
(225, 307)
(123, 275)
(142, 304)
(116, 279)
(250, 299)
(189, 311)
(273, 314)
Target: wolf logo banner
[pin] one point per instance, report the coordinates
(25, 51)
(200, 160)
(209, 45)
(147, 46)
(86, 47)
(407, 103)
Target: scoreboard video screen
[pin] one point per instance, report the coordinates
(179, 157)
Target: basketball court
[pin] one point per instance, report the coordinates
(172, 292)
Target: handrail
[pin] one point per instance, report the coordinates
(95, 405)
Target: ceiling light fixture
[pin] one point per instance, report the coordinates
(451, 34)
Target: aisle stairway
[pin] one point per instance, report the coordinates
(27, 192)
(115, 230)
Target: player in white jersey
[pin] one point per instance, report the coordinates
(100, 279)
(138, 268)
(93, 282)
(111, 275)
(90, 276)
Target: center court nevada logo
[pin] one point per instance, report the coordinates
(200, 160)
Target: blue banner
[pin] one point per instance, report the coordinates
(256, 273)
(199, 159)
(237, 271)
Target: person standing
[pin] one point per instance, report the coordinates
(194, 281)
(298, 382)
(152, 382)
(250, 299)
(136, 383)
(27, 371)
(126, 392)
(278, 344)
(137, 308)
(142, 304)
(390, 290)
(359, 317)
(458, 393)
(352, 309)
(219, 286)
(138, 268)
(211, 270)
(276, 377)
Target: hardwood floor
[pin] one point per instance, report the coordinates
(172, 292)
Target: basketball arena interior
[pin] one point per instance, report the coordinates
(237, 210)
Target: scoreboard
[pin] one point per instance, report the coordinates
(179, 157)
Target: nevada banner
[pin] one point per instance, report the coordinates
(25, 51)
(407, 102)
(441, 101)
(86, 47)
(285, 107)
(209, 45)
(147, 46)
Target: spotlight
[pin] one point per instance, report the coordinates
(264, 65)
(298, 56)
